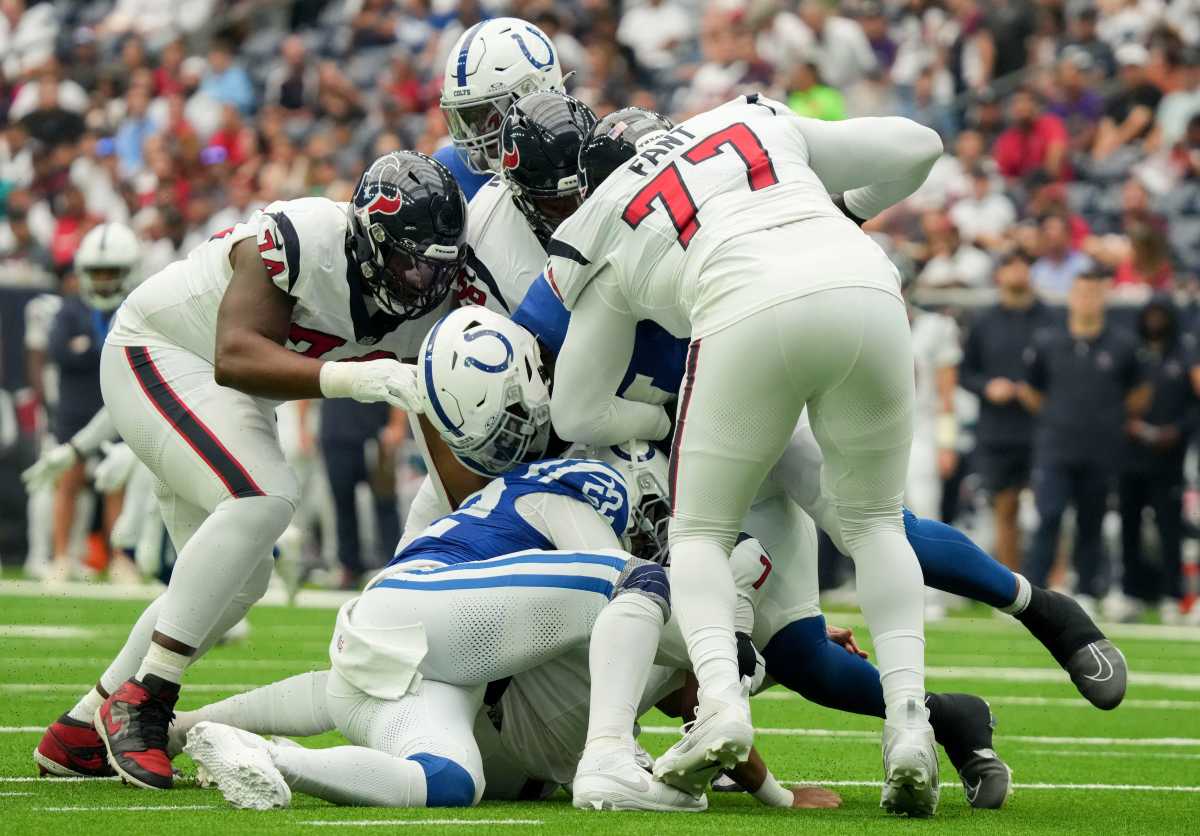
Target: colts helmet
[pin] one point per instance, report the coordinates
(647, 478)
(485, 390)
(615, 139)
(492, 65)
(407, 232)
(539, 159)
(105, 262)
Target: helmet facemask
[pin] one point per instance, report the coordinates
(544, 210)
(649, 520)
(475, 126)
(516, 438)
(103, 288)
(402, 281)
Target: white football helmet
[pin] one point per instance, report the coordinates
(105, 262)
(493, 64)
(648, 478)
(485, 390)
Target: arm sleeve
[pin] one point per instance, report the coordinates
(425, 507)
(874, 162)
(571, 525)
(95, 432)
(584, 405)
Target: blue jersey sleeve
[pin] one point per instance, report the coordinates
(469, 181)
(541, 313)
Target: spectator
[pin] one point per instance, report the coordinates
(984, 217)
(70, 96)
(950, 180)
(292, 84)
(23, 261)
(358, 443)
(1054, 273)
(993, 368)
(1152, 464)
(1034, 142)
(810, 97)
(72, 222)
(134, 130)
(168, 75)
(374, 25)
(1076, 101)
(952, 262)
(226, 81)
(1148, 263)
(875, 27)
(49, 122)
(934, 457)
(837, 45)
(1085, 381)
(655, 30)
(1082, 35)
(1129, 117)
(1178, 107)
(972, 57)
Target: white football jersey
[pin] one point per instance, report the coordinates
(503, 255)
(935, 346)
(649, 229)
(303, 246)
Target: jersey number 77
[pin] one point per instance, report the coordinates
(668, 187)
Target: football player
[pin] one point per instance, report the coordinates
(722, 230)
(308, 298)
(492, 64)
(526, 570)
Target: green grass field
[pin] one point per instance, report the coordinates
(1077, 770)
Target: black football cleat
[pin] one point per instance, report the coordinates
(963, 725)
(1095, 665)
(71, 749)
(133, 724)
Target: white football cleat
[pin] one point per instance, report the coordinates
(611, 779)
(910, 764)
(240, 764)
(719, 738)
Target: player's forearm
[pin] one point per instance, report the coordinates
(258, 366)
(613, 420)
(873, 162)
(94, 433)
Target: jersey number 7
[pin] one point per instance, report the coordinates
(668, 187)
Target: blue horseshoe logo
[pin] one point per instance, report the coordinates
(516, 36)
(488, 367)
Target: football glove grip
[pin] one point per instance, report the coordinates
(50, 466)
(373, 381)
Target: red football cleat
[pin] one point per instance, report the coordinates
(133, 725)
(71, 749)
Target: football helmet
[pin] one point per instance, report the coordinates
(648, 480)
(492, 65)
(539, 157)
(615, 139)
(485, 390)
(406, 232)
(105, 262)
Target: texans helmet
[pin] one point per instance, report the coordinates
(615, 139)
(539, 157)
(407, 228)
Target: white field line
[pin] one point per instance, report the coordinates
(14, 794)
(45, 631)
(154, 808)
(781, 695)
(307, 599)
(71, 687)
(1180, 681)
(1079, 753)
(847, 734)
(418, 822)
(948, 784)
(26, 779)
(102, 662)
(1000, 624)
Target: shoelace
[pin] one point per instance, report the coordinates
(157, 715)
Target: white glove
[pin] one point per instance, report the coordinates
(113, 472)
(45, 472)
(373, 381)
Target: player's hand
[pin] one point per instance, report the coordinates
(113, 472)
(814, 798)
(845, 637)
(373, 381)
(46, 471)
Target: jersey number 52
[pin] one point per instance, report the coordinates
(667, 187)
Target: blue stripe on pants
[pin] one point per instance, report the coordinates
(584, 584)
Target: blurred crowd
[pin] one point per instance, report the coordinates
(1071, 172)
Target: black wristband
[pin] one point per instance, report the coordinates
(840, 202)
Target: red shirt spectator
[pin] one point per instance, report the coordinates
(1034, 141)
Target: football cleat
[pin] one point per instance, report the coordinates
(133, 724)
(910, 764)
(240, 765)
(963, 725)
(71, 749)
(986, 779)
(1096, 666)
(719, 738)
(612, 780)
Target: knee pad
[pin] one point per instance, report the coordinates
(447, 784)
(649, 579)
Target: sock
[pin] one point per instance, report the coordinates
(352, 775)
(163, 663)
(952, 562)
(85, 709)
(620, 654)
(704, 602)
(801, 658)
(292, 707)
(891, 595)
(217, 562)
(1024, 594)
